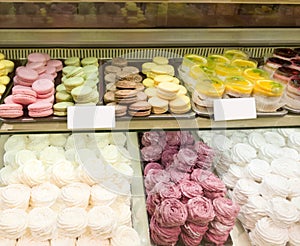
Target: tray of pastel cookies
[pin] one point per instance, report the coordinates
(41, 88)
(145, 88)
(232, 74)
(186, 201)
(78, 189)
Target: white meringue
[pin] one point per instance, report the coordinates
(7, 242)
(87, 240)
(256, 139)
(270, 152)
(285, 167)
(58, 139)
(102, 220)
(42, 223)
(221, 143)
(243, 153)
(296, 202)
(244, 189)
(13, 223)
(72, 222)
(118, 138)
(32, 173)
(294, 184)
(51, 155)
(27, 240)
(125, 236)
(24, 156)
(257, 169)
(44, 195)
(76, 195)
(8, 175)
(100, 196)
(274, 185)
(15, 142)
(294, 140)
(294, 234)
(15, 196)
(63, 173)
(274, 138)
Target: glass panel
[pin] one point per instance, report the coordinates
(146, 15)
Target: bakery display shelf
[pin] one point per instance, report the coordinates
(151, 37)
(170, 124)
(292, 110)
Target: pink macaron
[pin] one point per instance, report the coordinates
(40, 109)
(48, 99)
(27, 75)
(42, 96)
(47, 76)
(55, 63)
(9, 100)
(43, 86)
(11, 110)
(23, 95)
(47, 56)
(18, 81)
(37, 57)
(37, 66)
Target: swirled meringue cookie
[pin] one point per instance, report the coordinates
(102, 220)
(267, 233)
(110, 153)
(125, 236)
(88, 240)
(15, 196)
(7, 242)
(58, 140)
(27, 239)
(72, 222)
(102, 139)
(84, 176)
(290, 153)
(294, 140)
(37, 142)
(76, 195)
(294, 234)
(42, 223)
(285, 132)
(233, 174)
(15, 142)
(70, 155)
(285, 167)
(51, 155)
(221, 143)
(257, 169)
(44, 195)
(13, 223)
(8, 175)
(294, 184)
(256, 140)
(238, 136)
(274, 185)
(270, 152)
(282, 212)
(296, 202)
(274, 138)
(118, 138)
(63, 173)
(244, 189)
(32, 173)
(123, 213)
(24, 156)
(252, 211)
(63, 241)
(243, 153)
(101, 196)
(125, 170)
(76, 141)
(9, 158)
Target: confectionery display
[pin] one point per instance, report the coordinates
(33, 88)
(6, 68)
(261, 169)
(66, 189)
(185, 201)
(133, 94)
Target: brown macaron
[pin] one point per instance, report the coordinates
(126, 85)
(141, 96)
(120, 110)
(140, 87)
(134, 78)
(140, 109)
(126, 96)
(119, 62)
(109, 97)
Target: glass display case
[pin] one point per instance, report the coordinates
(139, 31)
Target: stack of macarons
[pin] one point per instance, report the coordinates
(125, 90)
(33, 87)
(79, 84)
(6, 67)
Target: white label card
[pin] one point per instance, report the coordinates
(90, 117)
(234, 109)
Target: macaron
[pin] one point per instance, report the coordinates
(131, 70)
(23, 95)
(11, 110)
(91, 69)
(134, 78)
(60, 87)
(9, 65)
(159, 106)
(109, 97)
(72, 61)
(119, 62)
(27, 75)
(120, 110)
(89, 61)
(57, 64)
(141, 96)
(2, 89)
(40, 109)
(2, 56)
(63, 96)
(43, 86)
(160, 60)
(125, 85)
(180, 105)
(148, 83)
(110, 78)
(75, 72)
(73, 82)
(139, 109)
(167, 90)
(37, 66)
(60, 109)
(82, 94)
(37, 57)
(126, 96)
(112, 69)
